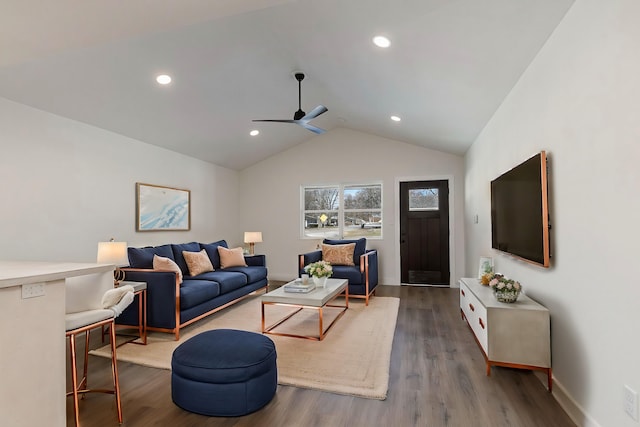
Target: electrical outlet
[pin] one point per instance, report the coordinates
(33, 290)
(630, 402)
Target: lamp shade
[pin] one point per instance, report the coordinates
(113, 253)
(252, 236)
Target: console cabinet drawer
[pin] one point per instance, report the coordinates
(515, 335)
(476, 314)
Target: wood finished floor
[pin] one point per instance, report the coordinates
(437, 378)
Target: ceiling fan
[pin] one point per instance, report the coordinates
(300, 117)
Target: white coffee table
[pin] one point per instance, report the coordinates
(317, 300)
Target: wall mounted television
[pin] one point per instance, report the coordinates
(520, 213)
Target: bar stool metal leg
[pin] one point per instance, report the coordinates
(79, 389)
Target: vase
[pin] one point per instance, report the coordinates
(506, 295)
(320, 281)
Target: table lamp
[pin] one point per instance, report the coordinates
(252, 237)
(112, 252)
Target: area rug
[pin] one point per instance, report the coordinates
(353, 359)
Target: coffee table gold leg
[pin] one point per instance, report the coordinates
(263, 318)
(321, 333)
(346, 296)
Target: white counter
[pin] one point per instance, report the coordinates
(32, 339)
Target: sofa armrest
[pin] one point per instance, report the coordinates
(306, 259)
(369, 267)
(256, 260)
(163, 295)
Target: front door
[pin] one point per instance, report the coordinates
(424, 232)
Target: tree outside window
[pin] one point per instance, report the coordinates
(342, 211)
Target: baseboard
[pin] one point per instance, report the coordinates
(570, 406)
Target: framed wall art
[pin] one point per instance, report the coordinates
(486, 266)
(162, 208)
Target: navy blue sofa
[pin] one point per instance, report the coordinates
(362, 276)
(171, 305)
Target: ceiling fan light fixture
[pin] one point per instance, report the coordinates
(381, 41)
(254, 132)
(395, 118)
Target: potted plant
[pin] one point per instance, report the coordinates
(320, 271)
(504, 289)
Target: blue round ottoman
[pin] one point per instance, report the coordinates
(224, 372)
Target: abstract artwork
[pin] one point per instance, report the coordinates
(162, 208)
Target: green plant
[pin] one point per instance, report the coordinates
(319, 269)
(499, 282)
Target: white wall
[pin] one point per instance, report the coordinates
(65, 186)
(270, 199)
(580, 101)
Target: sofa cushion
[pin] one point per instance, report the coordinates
(198, 262)
(361, 247)
(231, 257)
(143, 257)
(194, 292)
(212, 251)
(253, 273)
(179, 258)
(338, 254)
(228, 280)
(347, 272)
(163, 263)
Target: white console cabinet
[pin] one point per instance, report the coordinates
(514, 335)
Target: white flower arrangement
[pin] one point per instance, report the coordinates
(500, 283)
(319, 269)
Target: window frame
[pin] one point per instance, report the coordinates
(341, 211)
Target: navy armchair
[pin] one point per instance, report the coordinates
(362, 275)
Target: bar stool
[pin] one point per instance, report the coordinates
(87, 311)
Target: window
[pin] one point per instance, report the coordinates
(423, 199)
(342, 211)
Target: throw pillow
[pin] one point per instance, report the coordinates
(198, 262)
(338, 254)
(163, 263)
(231, 257)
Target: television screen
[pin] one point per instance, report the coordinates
(519, 211)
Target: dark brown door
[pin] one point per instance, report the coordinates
(424, 232)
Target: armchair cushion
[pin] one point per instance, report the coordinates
(361, 246)
(143, 257)
(338, 254)
(348, 272)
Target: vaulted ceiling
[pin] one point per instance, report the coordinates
(450, 65)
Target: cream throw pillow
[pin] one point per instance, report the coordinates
(163, 263)
(338, 254)
(231, 257)
(198, 262)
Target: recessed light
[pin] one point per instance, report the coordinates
(254, 132)
(381, 41)
(163, 79)
(395, 118)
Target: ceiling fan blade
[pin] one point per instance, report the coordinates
(300, 117)
(312, 128)
(320, 109)
(277, 121)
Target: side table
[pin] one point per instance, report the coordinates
(139, 291)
